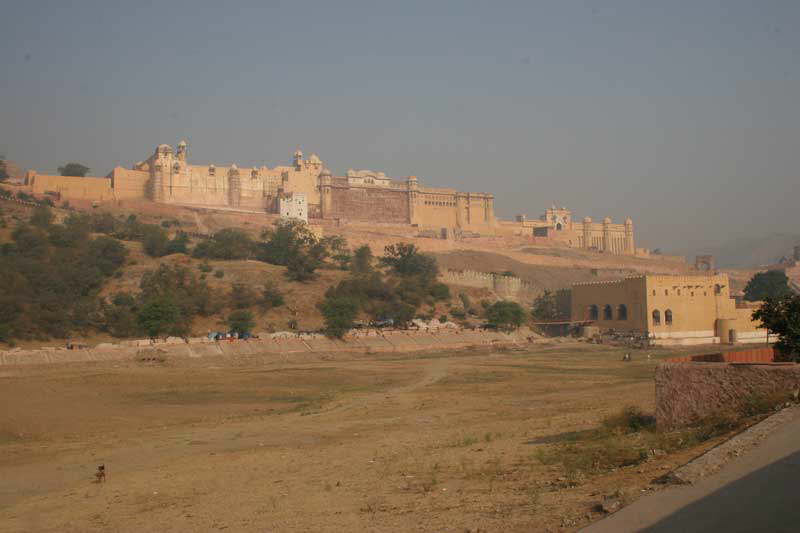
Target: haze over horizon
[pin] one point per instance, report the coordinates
(682, 115)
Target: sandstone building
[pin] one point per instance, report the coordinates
(668, 309)
(557, 225)
(168, 176)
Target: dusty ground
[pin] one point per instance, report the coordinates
(438, 442)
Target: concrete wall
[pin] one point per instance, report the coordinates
(687, 392)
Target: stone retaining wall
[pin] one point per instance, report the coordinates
(689, 391)
(390, 341)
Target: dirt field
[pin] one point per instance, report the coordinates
(443, 442)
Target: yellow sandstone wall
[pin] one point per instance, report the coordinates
(70, 187)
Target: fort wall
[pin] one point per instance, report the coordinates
(70, 187)
(505, 286)
(364, 202)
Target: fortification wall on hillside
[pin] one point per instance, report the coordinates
(507, 286)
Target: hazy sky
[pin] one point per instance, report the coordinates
(681, 114)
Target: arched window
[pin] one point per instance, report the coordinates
(654, 292)
(594, 312)
(666, 292)
(656, 317)
(622, 312)
(254, 174)
(559, 227)
(717, 289)
(668, 317)
(608, 313)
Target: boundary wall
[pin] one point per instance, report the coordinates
(502, 285)
(690, 391)
(278, 345)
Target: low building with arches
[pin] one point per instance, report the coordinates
(668, 309)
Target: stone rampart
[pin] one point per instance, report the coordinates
(690, 391)
(506, 286)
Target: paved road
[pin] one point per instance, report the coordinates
(756, 492)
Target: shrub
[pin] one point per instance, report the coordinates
(271, 297)
(154, 240)
(204, 267)
(440, 291)
(443, 319)
(242, 296)
(219, 273)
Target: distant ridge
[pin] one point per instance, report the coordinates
(751, 252)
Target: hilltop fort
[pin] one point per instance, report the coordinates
(307, 189)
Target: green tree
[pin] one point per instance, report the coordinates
(769, 284)
(3, 170)
(405, 259)
(241, 321)
(228, 243)
(74, 169)
(545, 306)
(505, 315)
(362, 261)
(781, 316)
(340, 314)
(161, 317)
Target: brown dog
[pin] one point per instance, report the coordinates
(100, 474)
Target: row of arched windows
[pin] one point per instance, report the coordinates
(608, 312)
(657, 317)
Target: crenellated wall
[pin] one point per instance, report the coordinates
(505, 286)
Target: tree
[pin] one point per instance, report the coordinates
(505, 315)
(405, 260)
(178, 245)
(361, 263)
(228, 243)
(160, 317)
(74, 169)
(3, 170)
(106, 254)
(339, 314)
(241, 321)
(545, 307)
(769, 284)
(781, 316)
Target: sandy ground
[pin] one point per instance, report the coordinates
(436, 442)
